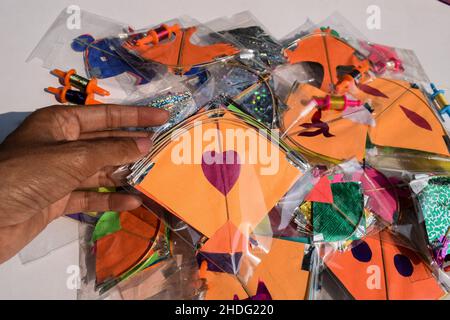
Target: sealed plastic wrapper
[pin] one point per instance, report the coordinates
(326, 128)
(390, 123)
(381, 269)
(181, 46)
(347, 203)
(251, 88)
(119, 246)
(246, 30)
(336, 64)
(432, 199)
(392, 117)
(77, 41)
(237, 240)
(394, 63)
(409, 132)
(56, 48)
(173, 276)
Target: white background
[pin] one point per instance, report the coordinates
(421, 25)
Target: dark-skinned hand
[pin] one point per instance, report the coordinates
(58, 153)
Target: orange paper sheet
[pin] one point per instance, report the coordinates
(392, 272)
(403, 117)
(327, 50)
(349, 137)
(184, 189)
(279, 269)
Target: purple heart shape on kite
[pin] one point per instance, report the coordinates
(221, 169)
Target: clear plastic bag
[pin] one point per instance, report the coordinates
(56, 48)
(237, 231)
(180, 46)
(245, 29)
(347, 203)
(381, 269)
(120, 246)
(431, 195)
(78, 41)
(391, 123)
(328, 49)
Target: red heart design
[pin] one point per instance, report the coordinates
(221, 169)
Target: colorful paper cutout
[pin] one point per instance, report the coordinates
(321, 191)
(404, 118)
(180, 54)
(171, 185)
(327, 49)
(337, 138)
(339, 220)
(280, 271)
(119, 251)
(434, 203)
(378, 269)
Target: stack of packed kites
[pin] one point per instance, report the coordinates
(311, 167)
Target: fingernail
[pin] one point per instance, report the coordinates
(164, 116)
(144, 145)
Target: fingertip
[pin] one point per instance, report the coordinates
(143, 144)
(131, 202)
(123, 202)
(153, 116)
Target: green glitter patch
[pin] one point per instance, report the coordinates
(339, 220)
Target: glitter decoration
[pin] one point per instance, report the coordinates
(249, 90)
(180, 105)
(255, 38)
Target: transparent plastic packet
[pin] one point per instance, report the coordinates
(252, 88)
(58, 234)
(326, 128)
(382, 269)
(385, 61)
(393, 63)
(180, 46)
(55, 48)
(175, 278)
(431, 199)
(424, 123)
(119, 247)
(393, 124)
(237, 247)
(247, 78)
(395, 119)
(347, 203)
(180, 98)
(245, 29)
(407, 227)
(76, 44)
(328, 49)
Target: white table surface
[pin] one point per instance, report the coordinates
(421, 25)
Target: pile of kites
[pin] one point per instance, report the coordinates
(310, 167)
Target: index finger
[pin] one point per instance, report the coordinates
(67, 123)
(105, 117)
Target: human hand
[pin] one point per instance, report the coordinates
(56, 154)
